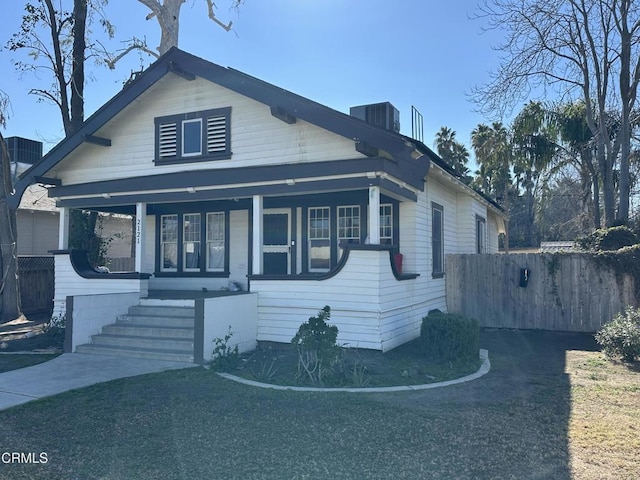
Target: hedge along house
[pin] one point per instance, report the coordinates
(237, 183)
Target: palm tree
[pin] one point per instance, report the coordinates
(454, 153)
(492, 147)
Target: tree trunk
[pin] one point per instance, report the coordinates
(78, 58)
(169, 19)
(10, 307)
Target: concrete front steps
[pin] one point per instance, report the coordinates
(155, 329)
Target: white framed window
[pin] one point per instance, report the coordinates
(215, 241)
(386, 224)
(191, 242)
(481, 234)
(348, 225)
(319, 239)
(192, 137)
(169, 243)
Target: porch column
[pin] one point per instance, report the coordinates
(374, 215)
(256, 248)
(141, 234)
(63, 229)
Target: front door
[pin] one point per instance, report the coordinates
(276, 245)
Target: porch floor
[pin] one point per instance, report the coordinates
(189, 294)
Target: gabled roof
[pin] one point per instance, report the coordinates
(284, 104)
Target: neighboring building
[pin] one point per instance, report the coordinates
(38, 222)
(237, 183)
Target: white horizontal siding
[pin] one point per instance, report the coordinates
(257, 138)
(370, 307)
(69, 283)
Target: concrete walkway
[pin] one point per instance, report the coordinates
(70, 371)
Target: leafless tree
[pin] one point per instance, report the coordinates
(580, 49)
(167, 13)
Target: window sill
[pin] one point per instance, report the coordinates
(437, 275)
(194, 159)
(193, 274)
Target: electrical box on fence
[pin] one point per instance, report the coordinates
(525, 274)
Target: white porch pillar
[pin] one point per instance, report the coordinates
(63, 229)
(141, 234)
(256, 248)
(374, 215)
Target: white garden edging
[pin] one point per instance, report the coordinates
(483, 370)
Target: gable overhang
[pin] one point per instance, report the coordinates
(284, 104)
(229, 183)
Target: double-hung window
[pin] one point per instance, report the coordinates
(481, 234)
(193, 136)
(348, 226)
(437, 240)
(191, 242)
(169, 243)
(215, 241)
(319, 248)
(386, 224)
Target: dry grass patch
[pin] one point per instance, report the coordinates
(604, 426)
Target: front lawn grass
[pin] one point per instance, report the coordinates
(542, 412)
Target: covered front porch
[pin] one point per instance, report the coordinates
(295, 246)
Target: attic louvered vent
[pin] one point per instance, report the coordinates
(180, 138)
(216, 134)
(167, 140)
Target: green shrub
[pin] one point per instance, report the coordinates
(606, 239)
(621, 336)
(316, 346)
(224, 357)
(447, 337)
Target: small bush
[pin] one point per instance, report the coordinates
(316, 346)
(449, 338)
(224, 358)
(621, 336)
(607, 239)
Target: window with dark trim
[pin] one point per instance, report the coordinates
(319, 239)
(481, 234)
(193, 244)
(386, 224)
(193, 136)
(437, 239)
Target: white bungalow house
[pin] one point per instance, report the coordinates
(237, 184)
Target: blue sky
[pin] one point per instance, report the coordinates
(340, 53)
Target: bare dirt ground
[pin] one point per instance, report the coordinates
(28, 334)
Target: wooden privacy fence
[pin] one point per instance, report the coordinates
(567, 291)
(36, 276)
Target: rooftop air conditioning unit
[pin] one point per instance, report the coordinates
(23, 150)
(383, 115)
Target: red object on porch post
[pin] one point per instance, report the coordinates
(397, 261)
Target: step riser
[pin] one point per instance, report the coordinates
(150, 321)
(162, 311)
(137, 331)
(113, 352)
(142, 342)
